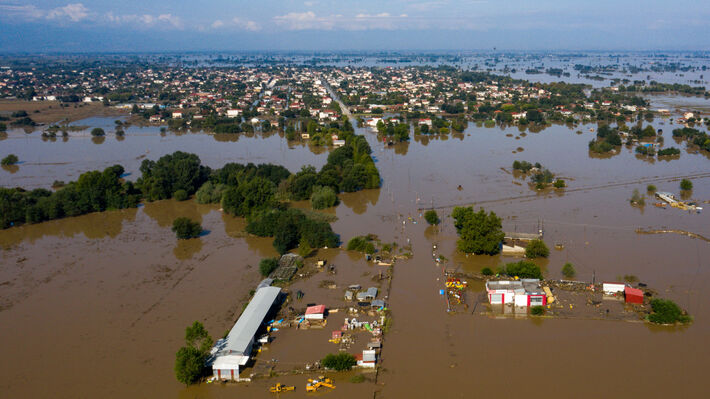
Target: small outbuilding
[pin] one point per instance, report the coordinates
(633, 295)
(316, 312)
(613, 288)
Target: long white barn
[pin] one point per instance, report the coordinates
(230, 353)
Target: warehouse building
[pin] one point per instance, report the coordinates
(233, 352)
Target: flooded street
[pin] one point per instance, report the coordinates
(96, 305)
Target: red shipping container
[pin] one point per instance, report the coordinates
(633, 295)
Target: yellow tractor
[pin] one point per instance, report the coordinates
(313, 385)
(279, 387)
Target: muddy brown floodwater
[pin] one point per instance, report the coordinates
(96, 306)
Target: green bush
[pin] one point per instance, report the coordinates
(559, 183)
(361, 244)
(568, 270)
(185, 228)
(268, 265)
(537, 310)
(339, 362)
(323, 197)
(522, 269)
(651, 188)
(97, 132)
(10, 160)
(181, 195)
(431, 217)
(209, 193)
(536, 249)
(686, 184)
(486, 271)
(665, 311)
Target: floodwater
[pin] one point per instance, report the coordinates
(96, 306)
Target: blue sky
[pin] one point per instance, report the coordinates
(155, 25)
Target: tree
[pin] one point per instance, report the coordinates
(568, 270)
(185, 228)
(209, 193)
(536, 249)
(666, 311)
(339, 362)
(479, 232)
(181, 195)
(522, 269)
(190, 359)
(362, 244)
(10, 160)
(97, 132)
(431, 217)
(189, 363)
(304, 249)
(323, 197)
(686, 185)
(268, 265)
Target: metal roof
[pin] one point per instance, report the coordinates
(239, 339)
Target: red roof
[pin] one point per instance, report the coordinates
(633, 295)
(317, 309)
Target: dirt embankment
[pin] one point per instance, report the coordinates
(47, 112)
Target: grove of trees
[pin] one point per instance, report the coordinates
(479, 232)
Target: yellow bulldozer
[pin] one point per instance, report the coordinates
(279, 387)
(314, 384)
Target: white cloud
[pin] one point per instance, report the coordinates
(75, 12)
(24, 12)
(146, 20)
(217, 24)
(310, 21)
(246, 25)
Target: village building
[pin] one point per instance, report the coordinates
(523, 292)
(233, 352)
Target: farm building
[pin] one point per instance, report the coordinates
(633, 295)
(613, 288)
(316, 312)
(228, 354)
(524, 292)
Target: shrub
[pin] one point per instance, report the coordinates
(537, 249)
(323, 197)
(185, 228)
(559, 183)
(537, 310)
(209, 193)
(665, 311)
(10, 160)
(340, 362)
(486, 271)
(568, 270)
(268, 265)
(669, 151)
(181, 195)
(97, 132)
(651, 188)
(686, 184)
(361, 244)
(431, 217)
(522, 269)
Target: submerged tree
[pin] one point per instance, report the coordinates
(479, 232)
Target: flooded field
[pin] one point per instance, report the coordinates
(96, 306)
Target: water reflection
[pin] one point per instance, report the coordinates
(166, 211)
(359, 201)
(98, 139)
(235, 227)
(186, 249)
(10, 168)
(93, 226)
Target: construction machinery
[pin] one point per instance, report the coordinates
(279, 387)
(314, 384)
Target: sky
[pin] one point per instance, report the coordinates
(344, 25)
